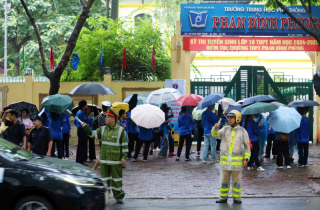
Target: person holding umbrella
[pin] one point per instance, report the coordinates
(82, 136)
(66, 134)
(234, 156)
(92, 149)
(166, 131)
(185, 123)
(271, 142)
(253, 128)
(303, 137)
(113, 154)
(26, 121)
(145, 137)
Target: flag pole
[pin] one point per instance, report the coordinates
(121, 73)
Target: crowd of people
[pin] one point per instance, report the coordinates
(120, 139)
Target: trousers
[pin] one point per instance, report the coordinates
(113, 175)
(65, 145)
(145, 151)
(200, 136)
(225, 177)
(188, 145)
(303, 153)
(254, 155)
(92, 149)
(283, 149)
(209, 140)
(59, 148)
(82, 146)
(271, 143)
(132, 138)
(171, 143)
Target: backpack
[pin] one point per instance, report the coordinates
(283, 136)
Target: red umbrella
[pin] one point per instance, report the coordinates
(189, 100)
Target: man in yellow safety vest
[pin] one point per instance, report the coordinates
(234, 156)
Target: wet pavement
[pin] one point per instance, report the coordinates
(170, 180)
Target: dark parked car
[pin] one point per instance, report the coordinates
(30, 182)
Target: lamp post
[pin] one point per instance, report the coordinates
(107, 70)
(6, 7)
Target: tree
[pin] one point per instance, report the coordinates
(114, 9)
(306, 4)
(139, 42)
(55, 75)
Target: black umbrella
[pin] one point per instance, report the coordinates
(96, 110)
(92, 89)
(303, 103)
(132, 101)
(18, 106)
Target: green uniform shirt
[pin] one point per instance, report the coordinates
(114, 145)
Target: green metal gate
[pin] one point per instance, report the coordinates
(255, 80)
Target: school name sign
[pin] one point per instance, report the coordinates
(244, 20)
(250, 44)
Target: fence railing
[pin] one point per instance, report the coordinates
(12, 79)
(41, 79)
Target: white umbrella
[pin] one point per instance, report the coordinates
(163, 95)
(225, 102)
(148, 116)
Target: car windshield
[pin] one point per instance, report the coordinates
(14, 152)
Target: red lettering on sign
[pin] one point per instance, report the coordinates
(307, 22)
(241, 22)
(216, 20)
(232, 23)
(283, 22)
(301, 21)
(292, 24)
(273, 23)
(317, 22)
(252, 22)
(224, 22)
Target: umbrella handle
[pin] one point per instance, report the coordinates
(74, 116)
(224, 112)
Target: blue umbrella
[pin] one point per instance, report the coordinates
(132, 100)
(284, 119)
(210, 100)
(303, 103)
(142, 100)
(258, 98)
(237, 107)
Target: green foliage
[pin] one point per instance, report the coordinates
(138, 40)
(55, 20)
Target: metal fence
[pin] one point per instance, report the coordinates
(12, 79)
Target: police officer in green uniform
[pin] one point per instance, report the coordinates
(40, 138)
(113, 154)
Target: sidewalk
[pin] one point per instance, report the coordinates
(170, 179)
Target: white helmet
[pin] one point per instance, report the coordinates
(106, 103)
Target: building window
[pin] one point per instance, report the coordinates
(141, 17)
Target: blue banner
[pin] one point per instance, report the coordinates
(243, 20)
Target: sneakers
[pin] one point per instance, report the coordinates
(218, 152)
(134, 160)
(260, 169)
(288, 167)
(214, 161)
(274, 157)
(161, 156)
(301, 166)
(249, 168)
(222, 200)
(280, 167)
(144, 161)
(156, 150)
(204, 161)
(237, 201)
(192, 152)
(119, 200)
(171, 154)
(198, 154)
(261, 160)
(306, 165)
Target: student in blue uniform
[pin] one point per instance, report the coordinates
(92, 147)
(40, 138)
(145, 137)
(186, 124)
(55, 125)
(132, 134)
(303, 139)
(253, 128)
(208, 120)
(166, 131)
(82, 136)
(282, 151)
(271, 142)
(66, 134)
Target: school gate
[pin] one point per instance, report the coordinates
(255, 80)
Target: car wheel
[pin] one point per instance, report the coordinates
(33, 203)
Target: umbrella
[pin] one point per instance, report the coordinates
(303, 103)
(284, 120)
(189, 100)
(237, 107)
(57, 103)
(163, 95)
(92, 88)
(132, 100)
(258, 98)
(94, 108)
(18, 106)
(278, 104)
(258, 108)
(142, 100)
(210, 100)
(241, 101)
(148, 116)
(196, 114)
(117, 106)
(225, 102)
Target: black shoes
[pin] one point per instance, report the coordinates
(222, 200)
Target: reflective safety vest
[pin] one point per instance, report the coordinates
(234, 147)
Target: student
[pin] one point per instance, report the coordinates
(66, 134)
(186, 124)
(145, 137)
(40, 138)
(303, 139)
(55, 125)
